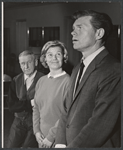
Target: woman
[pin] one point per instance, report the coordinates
(50, 93)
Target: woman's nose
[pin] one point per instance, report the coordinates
(54, 57)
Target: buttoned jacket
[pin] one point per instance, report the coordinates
(92, 116)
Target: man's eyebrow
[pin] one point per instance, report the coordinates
(78, 25)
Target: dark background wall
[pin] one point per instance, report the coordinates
(53, 15)
(20, 17)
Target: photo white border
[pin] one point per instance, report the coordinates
(2, 35)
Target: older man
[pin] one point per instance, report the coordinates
(20, 102)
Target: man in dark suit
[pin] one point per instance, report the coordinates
(21, 100)
(92, 116)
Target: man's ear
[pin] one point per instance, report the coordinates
(36, 62)
(100, 33)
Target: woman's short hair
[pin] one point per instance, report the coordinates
(53, 44)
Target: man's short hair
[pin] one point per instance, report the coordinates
(27, 52)
(99, 20)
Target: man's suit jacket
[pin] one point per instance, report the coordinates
(19, 99)
(93, 114)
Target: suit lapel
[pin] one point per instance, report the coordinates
(87, 73)
(72, 84)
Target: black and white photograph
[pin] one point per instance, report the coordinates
(61, 74)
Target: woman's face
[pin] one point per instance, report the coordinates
(54, 58)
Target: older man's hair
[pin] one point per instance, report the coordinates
(27, 52)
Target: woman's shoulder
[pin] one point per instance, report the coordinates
(67, 76)
(43, 78)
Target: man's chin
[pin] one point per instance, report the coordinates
(75, 46)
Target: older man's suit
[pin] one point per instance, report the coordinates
(19, 102)
(93, 113)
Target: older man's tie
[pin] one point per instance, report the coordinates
(79, 75)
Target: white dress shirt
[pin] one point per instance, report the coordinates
(86, 62)
(29, 79)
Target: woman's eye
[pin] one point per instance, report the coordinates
(49, 55)
(59, 54)
(79, 27)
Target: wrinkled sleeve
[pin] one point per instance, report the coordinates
(36, 113)
(61, 129)
(52, 132)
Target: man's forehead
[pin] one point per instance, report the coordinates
(82, 20)
(26, 57)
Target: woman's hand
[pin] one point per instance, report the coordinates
(39, 137)
(47, 143)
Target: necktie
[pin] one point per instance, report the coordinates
(79, 75)
(28, 83)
